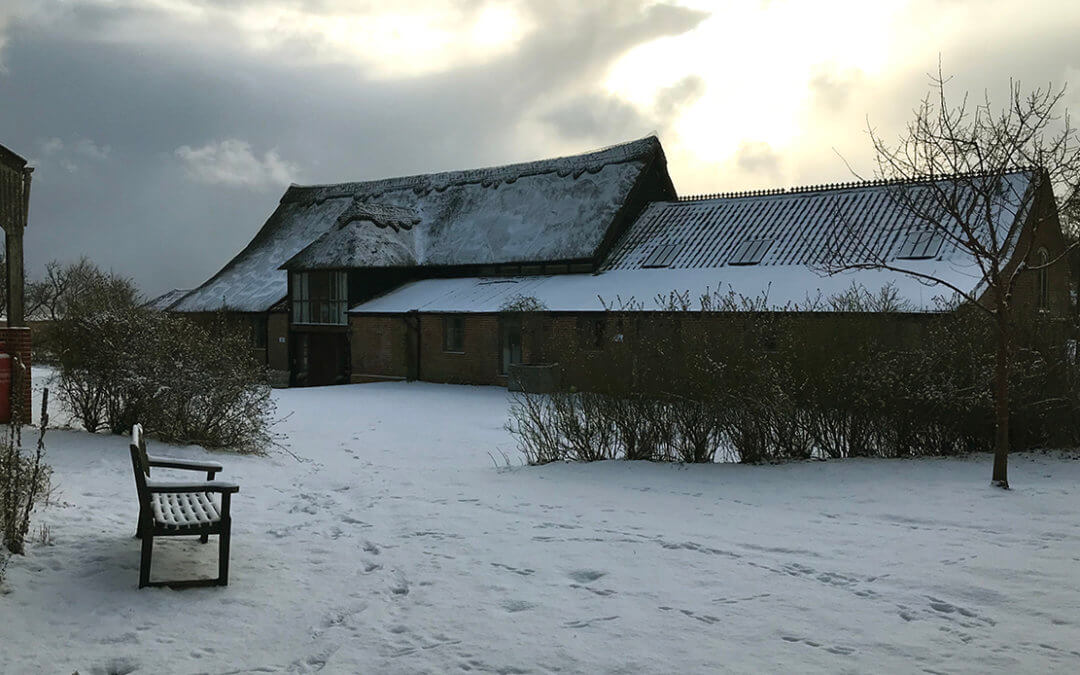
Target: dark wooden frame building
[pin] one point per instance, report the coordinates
(457, 277)
(15, 178)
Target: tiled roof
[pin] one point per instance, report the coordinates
(787, 228)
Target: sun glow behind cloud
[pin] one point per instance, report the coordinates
(403, 42)
(757, 62)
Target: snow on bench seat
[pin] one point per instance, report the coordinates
(185, 509)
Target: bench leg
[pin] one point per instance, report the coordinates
(223, 556)
(144, 564)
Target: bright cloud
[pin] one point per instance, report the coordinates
(232, 162)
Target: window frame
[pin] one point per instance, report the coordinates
(591, 333)
(331, 310)
(454, 326)
(509, 326)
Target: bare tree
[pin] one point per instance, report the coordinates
(983, 180)
(79, 282)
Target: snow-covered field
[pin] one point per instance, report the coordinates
(393, 544)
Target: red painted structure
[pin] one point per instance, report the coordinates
(17, 341)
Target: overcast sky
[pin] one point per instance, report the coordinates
(165, 131)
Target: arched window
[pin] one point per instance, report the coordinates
(1042, 258)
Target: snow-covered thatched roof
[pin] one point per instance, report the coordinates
(551, 210)
(362, 233)
(167, 299)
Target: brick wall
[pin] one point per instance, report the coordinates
(477, 362)
(378, 347)
(17, 341)
(621, 351)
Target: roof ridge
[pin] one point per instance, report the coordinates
(850, 185)
(592, 161)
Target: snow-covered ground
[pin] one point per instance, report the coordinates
(393, 544)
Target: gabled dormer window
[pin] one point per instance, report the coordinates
(750, 252)
(920, 245)
(320, 297)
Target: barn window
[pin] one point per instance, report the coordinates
(509, 344)
(920, 245)
(1042, 259)
(750, 252)
(590, 332)
(454, 334)
(320, 297)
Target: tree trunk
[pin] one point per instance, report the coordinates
(1001, 403)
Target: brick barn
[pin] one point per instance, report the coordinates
(484, 276)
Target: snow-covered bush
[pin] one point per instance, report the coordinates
(24, 477)
(849, 376)
(186, 382)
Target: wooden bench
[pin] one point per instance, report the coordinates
(176, 509)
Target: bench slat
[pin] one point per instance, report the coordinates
(185, 509)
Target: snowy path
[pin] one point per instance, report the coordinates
(396, 546)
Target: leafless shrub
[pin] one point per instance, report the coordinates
(186, 382)
(24, 476)
(863, 379)
(532, 422)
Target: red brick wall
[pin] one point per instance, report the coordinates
(477, 363)
(17, 341)
(378, 348)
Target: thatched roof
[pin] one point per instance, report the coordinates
(551, 210)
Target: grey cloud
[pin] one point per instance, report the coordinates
(832, 88)
(759, 158)
(232, 162)
(598, 115)
(679, 95)
(605, 117)
(139, 211)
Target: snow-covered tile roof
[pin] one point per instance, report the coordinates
(555, 209)
(647, 290)
(792, 228)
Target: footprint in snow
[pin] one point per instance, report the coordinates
(586, 576)
(117, 666)
(400, 585)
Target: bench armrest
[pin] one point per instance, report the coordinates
(209, 486)
(177, 463)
